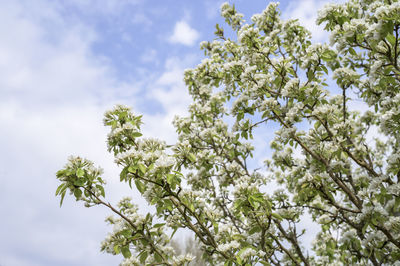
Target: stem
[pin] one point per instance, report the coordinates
(153, 248)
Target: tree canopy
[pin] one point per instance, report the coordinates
(335, 163)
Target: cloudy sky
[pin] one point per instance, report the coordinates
(62, 64)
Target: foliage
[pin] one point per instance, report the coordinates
(339, 166)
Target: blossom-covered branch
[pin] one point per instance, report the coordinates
(335, 165)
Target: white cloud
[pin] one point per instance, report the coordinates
(110, 7)
(142, 19)
(41, 65)
(306, 11)
(150, 56)
(171, 93)
(54, 92)
(184, 34)
(35, 145)
(213, 8)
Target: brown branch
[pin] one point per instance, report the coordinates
(292, 239)
(153, 248)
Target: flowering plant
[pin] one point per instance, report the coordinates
(339, 166)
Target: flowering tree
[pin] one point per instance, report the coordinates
(336, 165)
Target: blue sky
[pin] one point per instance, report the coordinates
(62, 64)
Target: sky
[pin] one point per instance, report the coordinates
(62, 65)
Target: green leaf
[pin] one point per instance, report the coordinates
(228, 263)
(240, 115)
(126, 252)
(130, 182)
(80, 172)
(158, 225)
(352, 51)
(317, 125)
(142, 168)
(158, 257)
(277, 216)
(126, 233)
(173, 232)
(59, 188)
(136, 237)
(113, 124)
(122, 176)
(253, 202)
(170, 178)
(77, 193)
(136, 134)
(391, 39)
(168, 205)
(140, 186)
(364, 229)
(62, 197)
(79, 182)
(219, 31)
(117, 249)
(328, 55)
(101, 188)
(132, 169)
(192, 157)
(245, 135)
(216, 227)
(61, 173)
(324, 69)
(265, 114)
(255, 229)
(143, 256)
(239, 260)
(310, 75)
